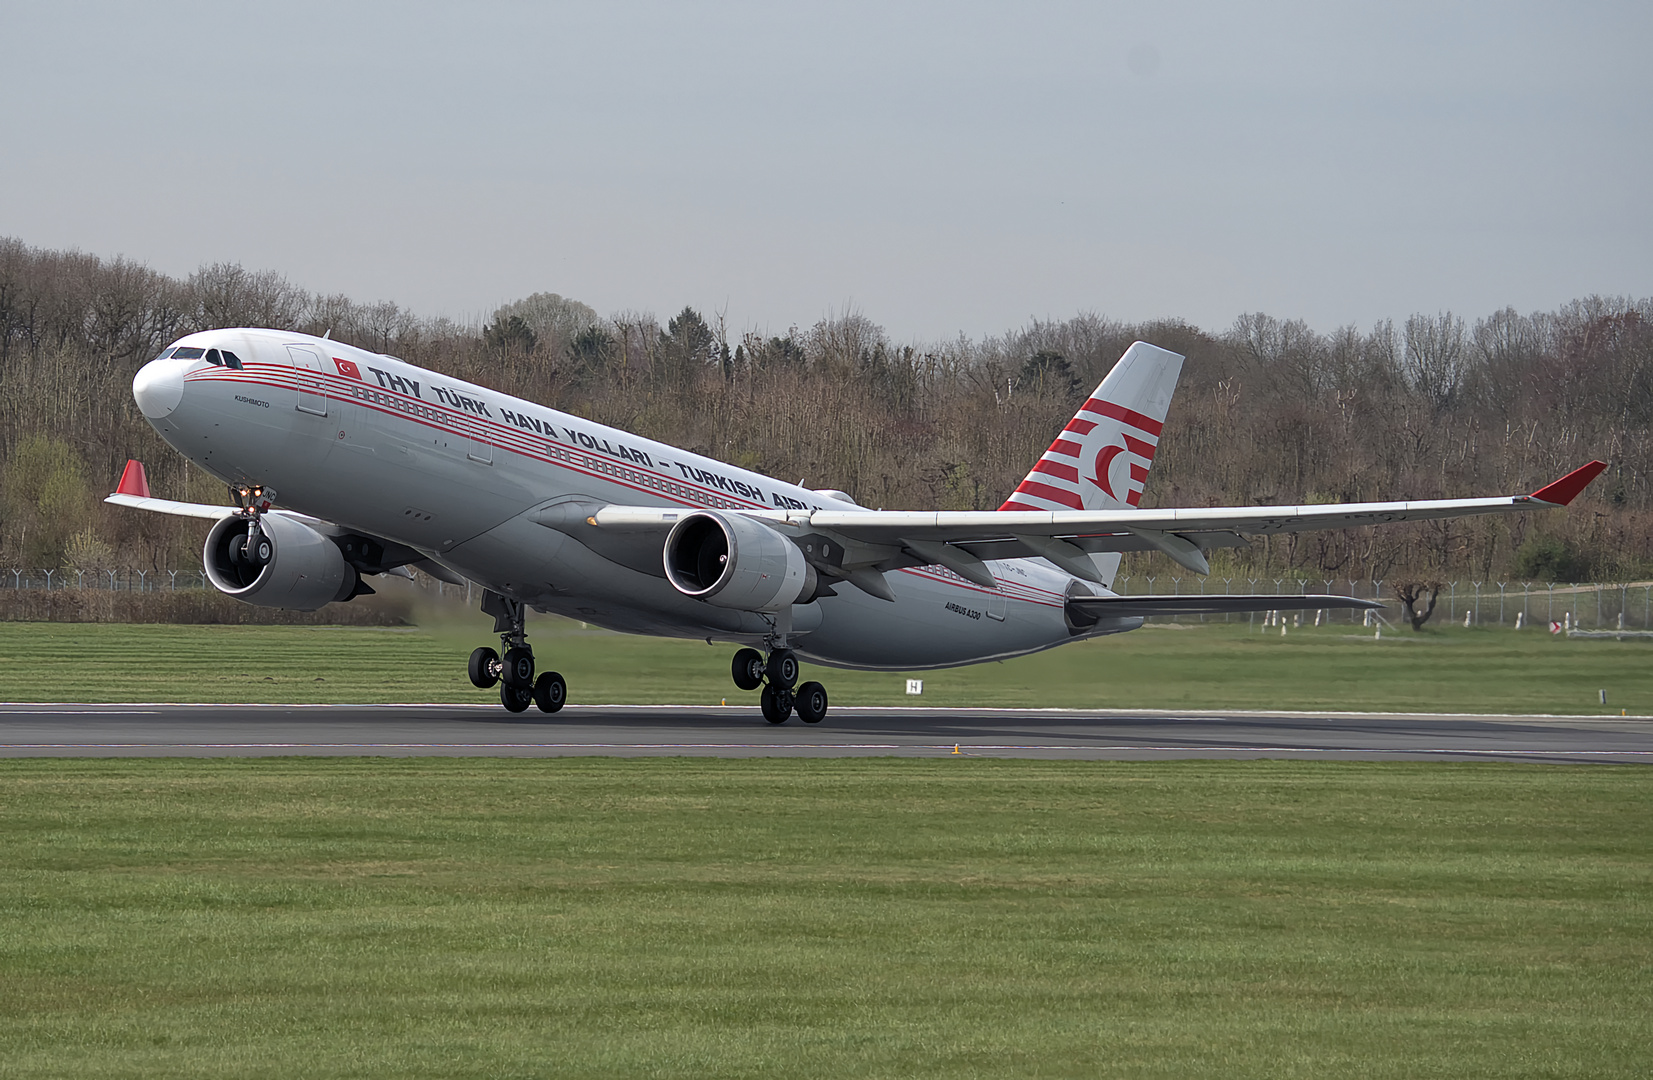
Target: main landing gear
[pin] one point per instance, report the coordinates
(514, 672)
(777, 675)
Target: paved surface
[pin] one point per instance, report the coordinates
(632, 730)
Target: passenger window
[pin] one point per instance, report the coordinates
(231, 360)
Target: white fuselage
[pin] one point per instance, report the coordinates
(455, 471)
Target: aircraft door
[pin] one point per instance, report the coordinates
(481, 446)
(996, 604)
(312, 392)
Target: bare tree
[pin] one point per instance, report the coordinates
(1412, 593)
(1435, 357)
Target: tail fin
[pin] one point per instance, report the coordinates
(1100, 460)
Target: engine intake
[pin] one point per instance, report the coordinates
(735, 562)
(289, 565)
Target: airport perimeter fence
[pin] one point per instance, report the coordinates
(1584, 606)
(150, 581)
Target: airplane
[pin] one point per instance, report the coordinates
(343, 464)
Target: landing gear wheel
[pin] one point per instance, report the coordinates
(550, 692)
(811, 703)
(777, 704)
(484, 668)
(518, 670)
(514, 698)
(748, 669)
(783, 668)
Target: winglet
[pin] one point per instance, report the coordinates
(133, 480)
(1566, 489)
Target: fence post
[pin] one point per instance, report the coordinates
(1500, 603)
(1477, 585)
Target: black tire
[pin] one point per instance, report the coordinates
(776, 704)
(484, 668)
(550, 692)
(262, 551)
(515, 699)
(518, 668)
(748, 669)
(783, 668)
(811, 703)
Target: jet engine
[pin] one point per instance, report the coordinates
(735, 562)
(285, 563)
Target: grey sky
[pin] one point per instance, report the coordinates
(943, 167)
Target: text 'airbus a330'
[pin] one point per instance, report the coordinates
(345, 463)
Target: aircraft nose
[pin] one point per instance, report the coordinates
(158, 387)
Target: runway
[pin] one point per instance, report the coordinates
(165, 730)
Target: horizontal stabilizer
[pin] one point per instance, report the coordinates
(1126, 607)
(169, 506)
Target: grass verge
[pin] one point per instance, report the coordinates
(1211, 666)
(582, 917)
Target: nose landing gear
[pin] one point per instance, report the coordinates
(518, 688)
(777, 676)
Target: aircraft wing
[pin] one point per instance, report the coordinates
(882, 540)
(967, 526)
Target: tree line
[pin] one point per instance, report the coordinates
(1269, 410)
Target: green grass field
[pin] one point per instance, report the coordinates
(500, 918)
(1210, 666)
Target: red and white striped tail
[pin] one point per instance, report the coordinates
(1100, 460)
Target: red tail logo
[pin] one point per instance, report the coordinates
(1104, 465)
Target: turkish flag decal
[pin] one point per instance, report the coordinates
(347, 368)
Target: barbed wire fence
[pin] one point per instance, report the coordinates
(1603, 605)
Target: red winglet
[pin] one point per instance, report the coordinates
(133, 480)
(1566, 489)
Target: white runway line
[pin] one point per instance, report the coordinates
(946, 748)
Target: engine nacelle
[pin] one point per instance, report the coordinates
(735, 562)
(301, 569)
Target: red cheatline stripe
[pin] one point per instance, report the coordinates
(1138, 447)
(1063, 446)
(1045, 491)
(1124, 415)
(1080, 427)
(1139, 473)
(1061, 472)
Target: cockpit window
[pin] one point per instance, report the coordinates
(231, 360)
(213, 358)
(167, 352)
(187, 352)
